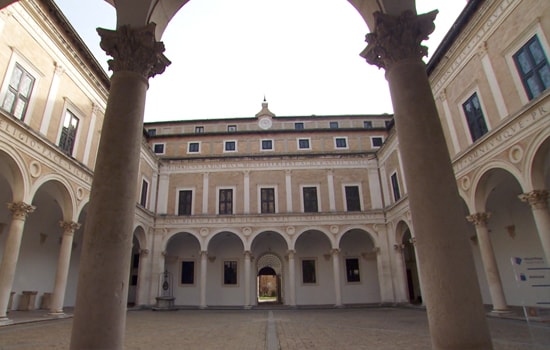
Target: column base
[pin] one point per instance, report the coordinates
(501, 312)
(4, 321)
(58, 314)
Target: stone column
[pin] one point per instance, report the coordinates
(100, 310)
(336, 274)
(292, 277)
(63, 263)
(144, 278)
(453, 299)
(489, 261)
(538, 199)
(247, 279)
(19, 211)
(204, 262)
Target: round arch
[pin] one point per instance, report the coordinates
(257, 234)
(301, 232)
(373, 237)
(216, 233)
(61, 191)
(487, 179)
(538, 163)
(12, 168)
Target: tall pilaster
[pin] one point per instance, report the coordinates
(247, 279)
(19, 211)
(453, 299)
(204, 262)
(292, 277)
(63, 263)
(538, 200)
(489, 261)
(100, 310)
(336, 274)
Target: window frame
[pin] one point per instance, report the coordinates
(367, 124)
(315, 269)
(333, 125)
(308, 139)
(233, 194)
(189, 143)
(345, 197)
(359, 280)
(180, 280)
(199, 129)
(178, 193)
(152, 132)
(465, 117)
(345, 138)
(376, 137)
(232, 128)
(267, 149)
(223, 264)
(227, 142)
(144, 200)
(302, 198)
(69, 110)
(299, 126)
(260, 200)
(395, 187)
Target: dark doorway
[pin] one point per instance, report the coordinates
(268, 286)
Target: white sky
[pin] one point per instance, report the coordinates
(303, 55)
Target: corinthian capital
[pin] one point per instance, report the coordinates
(134, 49)
(69, 226)
(398, 38)
(479, 219)
(538, 199)
(20, 210)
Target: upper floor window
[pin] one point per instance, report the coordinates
(353, 202)
(377, 141)
(367, 124)
(532, 65)
(311, 204)
(299, 126)
(68, 132)
(474, 117)
(230, 146)
(144, 192)
(185, 201)
(341, 142)
(193, 147)
(158, 148)
(303, 144)
(152, 132)
(333, 125)
(225, 205)
(267, 199)
(199, 129)
(395, 187)
(267, 145)
(232, 128)
(18, 93)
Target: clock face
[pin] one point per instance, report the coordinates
(265, 123)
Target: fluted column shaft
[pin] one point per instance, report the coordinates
(63, 263)
(336, 274)
(100, 310)
(292, 277)
(204, 266)
(489, 261)
(538, 200)
(454, 306)
(19, 210)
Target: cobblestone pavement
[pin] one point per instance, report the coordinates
(341, 329)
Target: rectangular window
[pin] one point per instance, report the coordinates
(230, 146)
(230, 272)
(185, 201)
(352, 270)
(395, 187)
(152, 132)
(333, 125)
(341, 142)
(353, 203)
(144, 191)
(158, 148)
(299, 126)
(367, 124)
(267, 199)
(19, 92)
(187, 272)
(232, 128)
(377, 141)
(475, 117)
(308, 271)
(225, 201)
(199, 129)
(532, 65)
(267, 145)
(194, 147)
(310, 200)
(68, 133)
(303, 144)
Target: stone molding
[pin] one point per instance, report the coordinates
(398, 38)
(538, 199)
(479, 219)
(134, 49)
(20, 210)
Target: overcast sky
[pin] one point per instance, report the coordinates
(303, 55)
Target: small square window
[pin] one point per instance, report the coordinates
(158, 148)
(309, 275)
(333, 125)
(152, 132)
(367, 124)
(377, 141)
(299, 126)
(230, 272)
(230, 146)
(187, 272)
(341, 142)
(352, 270)
(267, 145)
(303, 144)
(193, 147)
(199, 129)
(232, 128)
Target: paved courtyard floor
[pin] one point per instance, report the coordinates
(272, 329)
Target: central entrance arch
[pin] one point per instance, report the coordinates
(269, 281)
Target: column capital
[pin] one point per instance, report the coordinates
(398, 38)
(143, 252)
(134, 49)
(204, 253)
(335, 252)
(479, 219)
(538, 199)
(20, 210)
(69, 226)
(290, 253)
(247, 254)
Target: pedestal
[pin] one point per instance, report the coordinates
(27, 301)
(164, 304)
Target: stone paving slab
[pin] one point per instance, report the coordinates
(341, 329)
